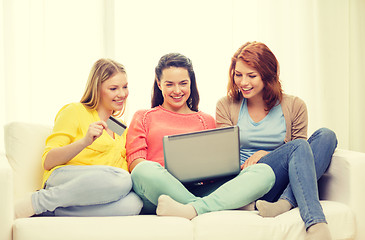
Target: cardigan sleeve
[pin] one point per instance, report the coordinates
(136, 142)
(299, 119)
(223, 116)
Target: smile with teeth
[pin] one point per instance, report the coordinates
(247, 89)
(177, 97)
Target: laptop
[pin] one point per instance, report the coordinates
(203, 155)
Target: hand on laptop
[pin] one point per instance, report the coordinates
(254, 158)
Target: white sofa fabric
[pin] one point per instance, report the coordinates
(341, 192)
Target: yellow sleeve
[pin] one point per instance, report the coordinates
(65, 128)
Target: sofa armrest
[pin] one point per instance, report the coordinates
(6, 200)
(344, 182)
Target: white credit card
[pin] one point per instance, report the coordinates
(116, 126)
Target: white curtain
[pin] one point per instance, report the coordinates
(47, 48)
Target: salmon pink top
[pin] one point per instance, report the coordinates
(148, 127)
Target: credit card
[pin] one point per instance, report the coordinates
(116, 126)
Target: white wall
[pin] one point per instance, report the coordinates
(47, 48)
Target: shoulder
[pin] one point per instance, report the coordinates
(70, 116)
(143, 117)
(292, 101)
(205, 115)
(144, 113)
(228, 102)
(71, 109)
(75, 107)
(294, 108)
(207, 119)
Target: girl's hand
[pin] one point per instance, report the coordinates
(95, 131)
(254, 158)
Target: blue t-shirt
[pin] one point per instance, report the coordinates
(268, 134)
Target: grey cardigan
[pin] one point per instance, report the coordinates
(294, 110)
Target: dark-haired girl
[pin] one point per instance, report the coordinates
(174, 110)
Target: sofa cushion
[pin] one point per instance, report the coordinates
(24, 145)
(103, 228)
(249, 225)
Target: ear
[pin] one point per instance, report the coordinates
(158, 83)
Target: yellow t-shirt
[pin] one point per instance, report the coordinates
(71, 124)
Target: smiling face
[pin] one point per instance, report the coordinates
(249, 81)
(175, 87)
(113, 93)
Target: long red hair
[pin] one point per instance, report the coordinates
(258, 56)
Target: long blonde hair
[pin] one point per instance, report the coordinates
(101, 71)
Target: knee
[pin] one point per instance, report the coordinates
(266, 172)
(300, 144)
(133, 204)
(148, 175)
(117, 179)
(143, 171)
(327, 136)
(269, 174)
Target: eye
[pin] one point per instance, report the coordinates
(252, 76)
(113, 89)
(238, 74)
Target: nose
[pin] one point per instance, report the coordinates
(122, 94)
(177, 89)
(245, 81)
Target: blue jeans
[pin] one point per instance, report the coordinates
(298, 165)
(87, 191)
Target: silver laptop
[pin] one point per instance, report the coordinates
(203, 155)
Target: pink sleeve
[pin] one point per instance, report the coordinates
(136, 144)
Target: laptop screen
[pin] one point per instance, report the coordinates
(203, 155)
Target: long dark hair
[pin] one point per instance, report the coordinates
(175, 60)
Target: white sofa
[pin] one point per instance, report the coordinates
(341, 190)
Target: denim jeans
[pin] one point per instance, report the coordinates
(298, 165)
(150, 180)
(87, 191)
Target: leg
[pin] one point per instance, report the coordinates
(323, 143)
(294, 160)
(128, 205)
(82, 186)
(151, 180)
(250, 184)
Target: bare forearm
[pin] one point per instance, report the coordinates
(61, 155)
(135, 162)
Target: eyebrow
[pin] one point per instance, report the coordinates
(253, 72)
(185, 80)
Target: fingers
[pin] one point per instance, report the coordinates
(102, 123)
(96, 130)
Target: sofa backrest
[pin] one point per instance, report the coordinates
(24, 146)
